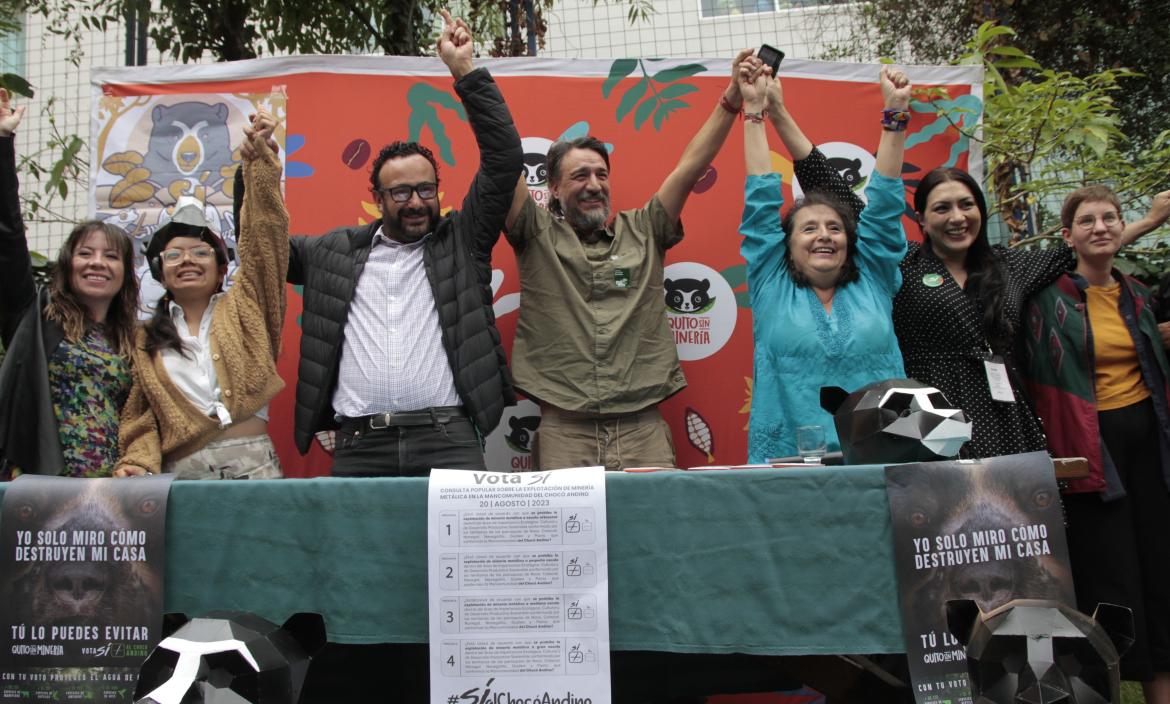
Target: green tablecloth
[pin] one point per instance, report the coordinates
(768, 562)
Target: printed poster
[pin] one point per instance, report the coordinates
(341, 110)
(519, 587)
(82, 588)
(989, 530)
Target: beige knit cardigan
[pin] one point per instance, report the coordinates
(158, 422)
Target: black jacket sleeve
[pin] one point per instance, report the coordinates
(501, 160)
(17, 289)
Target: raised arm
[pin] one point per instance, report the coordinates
(753, 84)
(263, 242)
(487, 205)
(811, 167)
(1159, 213)
(895, 116)
(17, 290)
(703, 146)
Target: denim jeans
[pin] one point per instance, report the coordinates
(408, 450)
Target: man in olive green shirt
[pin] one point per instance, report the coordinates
(593, 345)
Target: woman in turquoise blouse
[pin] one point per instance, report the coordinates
(821, 282)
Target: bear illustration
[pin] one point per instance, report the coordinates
(520, 438)
(687, 295)
(535, 170)
(850, 170)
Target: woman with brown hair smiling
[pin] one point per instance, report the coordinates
(66, 372)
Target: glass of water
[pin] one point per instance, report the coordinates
(810, 443)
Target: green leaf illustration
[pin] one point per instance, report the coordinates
(677, 91)
(422, 98)
(662, 88)
(670, 75)
(631, 98)
(619, 70)
(644, 111)
(664, 110)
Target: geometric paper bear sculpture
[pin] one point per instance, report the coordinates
(1035, 651)
(895, 421)
(230, 657)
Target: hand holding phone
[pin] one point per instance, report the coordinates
(771, 56)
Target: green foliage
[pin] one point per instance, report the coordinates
(664, 90)
(1046, 133)
(422, 99)
(1063, 35)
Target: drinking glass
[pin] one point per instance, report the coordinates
(810, 443)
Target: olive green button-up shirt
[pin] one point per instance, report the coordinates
(593, 336)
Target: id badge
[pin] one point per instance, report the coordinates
(997, 380)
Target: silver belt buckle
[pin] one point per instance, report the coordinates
(383, 419)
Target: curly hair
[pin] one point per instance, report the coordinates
(397, 150)
(67, 310)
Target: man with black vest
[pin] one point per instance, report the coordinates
(399, 349)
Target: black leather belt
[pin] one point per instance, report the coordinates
(436, 415)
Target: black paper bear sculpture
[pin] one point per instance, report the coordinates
(1035, 651)
(895, 421)
(230, 657)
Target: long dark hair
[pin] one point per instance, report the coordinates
(849, 272)
(70, 313)
(160, 331)
(986, 275)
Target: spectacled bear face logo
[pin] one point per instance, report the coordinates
(536, 170)
(520, 437)
(894, 421)
(850, 170)
(1038, 650)
(688, 295)
(230, 657)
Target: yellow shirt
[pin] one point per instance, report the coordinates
(1118, 372)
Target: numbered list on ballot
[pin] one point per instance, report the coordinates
(519, 587)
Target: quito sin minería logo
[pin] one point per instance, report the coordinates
(700, 307)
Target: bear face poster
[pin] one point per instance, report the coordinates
(82, 587)
(990, 530)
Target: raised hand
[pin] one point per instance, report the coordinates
(263, 124)
(732, 94)
(455, 45)
(10, 117)
(1160, 208)
(754, 77)
(895, 88)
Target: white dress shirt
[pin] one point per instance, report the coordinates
(193, 372)
(392, 356)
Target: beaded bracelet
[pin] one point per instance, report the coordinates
(895, 120)
(756, 117)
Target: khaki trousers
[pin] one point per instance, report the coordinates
(617, 441)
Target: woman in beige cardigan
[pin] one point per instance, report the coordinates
(205, 364)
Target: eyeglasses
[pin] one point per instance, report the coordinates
(172, 257)
(401, 194)
(1086, 222)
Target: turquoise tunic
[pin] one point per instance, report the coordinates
(798, 346)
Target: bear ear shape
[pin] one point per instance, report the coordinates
(961, 617)
(513, 422)
(856, 164)
(307, 629)
(832, 397)
(668, 283)
(705, 285)
(1117, 622)
(173, 622)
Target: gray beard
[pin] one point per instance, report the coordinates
(586, 223)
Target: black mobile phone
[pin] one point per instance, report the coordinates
(771, 56)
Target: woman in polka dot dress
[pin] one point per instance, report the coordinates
(961, 306)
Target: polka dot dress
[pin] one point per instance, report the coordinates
(940, 329)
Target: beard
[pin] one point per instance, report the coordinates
(396, 228)
(586, 222)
